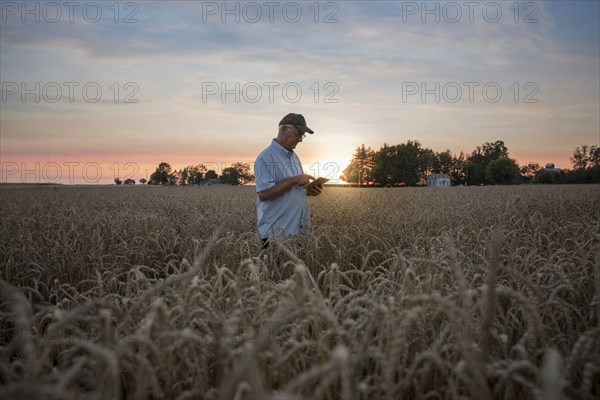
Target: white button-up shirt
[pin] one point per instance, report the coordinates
(288, 213)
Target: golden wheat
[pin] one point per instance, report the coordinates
(164, 292)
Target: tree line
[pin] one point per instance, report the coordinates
(238, 174)
(409, 164)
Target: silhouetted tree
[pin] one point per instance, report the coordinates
(458, 175)
(502, 171)
(530, 170)
(163, 175)
(384, 171)
(211, 174)
(480, 159)
(118, 181)
(427, 162)
(403, 164)
(181, 176)
(196, 174)
(585, 156)
(549, 176)
(230, 176)
(411, 163)
(592, 174)
(191, 175)
(443, 163)
(360, 169)
(244, 170)
(580, 158)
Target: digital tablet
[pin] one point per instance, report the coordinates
(316, 182)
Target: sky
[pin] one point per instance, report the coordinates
(97, 90)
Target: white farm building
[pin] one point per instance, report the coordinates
(438, 180)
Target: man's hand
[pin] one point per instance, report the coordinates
(283, 186)
(315, 190)
(303, 180)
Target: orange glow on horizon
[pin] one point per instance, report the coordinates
(331, 168)
(104, 168)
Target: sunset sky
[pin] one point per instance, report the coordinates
(94, 90)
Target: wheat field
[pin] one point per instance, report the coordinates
(408, 293)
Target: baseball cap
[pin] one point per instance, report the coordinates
(298, 121)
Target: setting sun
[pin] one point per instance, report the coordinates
(331, 168)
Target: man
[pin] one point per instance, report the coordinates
(282, 205)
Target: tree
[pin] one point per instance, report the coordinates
(129, 181)
(181, 176)
(244, 170)
(475, 172)
(530, 170)
(549, 176)
(403, 164)
(458, 175)
(143, 181)
(360, 169)
(411, 163)
(191, 175)
(163, 175)
(443, 163)
(384, 171)
(211, 174)
(502, 171)
(427, 162)
(595, 155)
(196, 174)
(580, 158)
(592, 174)
(585, 156)
(118, 181)
(480, 159)
(230, 176)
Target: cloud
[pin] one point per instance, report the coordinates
(368, 54)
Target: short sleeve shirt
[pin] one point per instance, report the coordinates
(288, 213)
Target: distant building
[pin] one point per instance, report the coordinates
(550, 167)
(438, 180)
(213, 182)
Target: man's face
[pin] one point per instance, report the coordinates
(291, 138)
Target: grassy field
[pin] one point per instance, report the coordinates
(164, 292)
